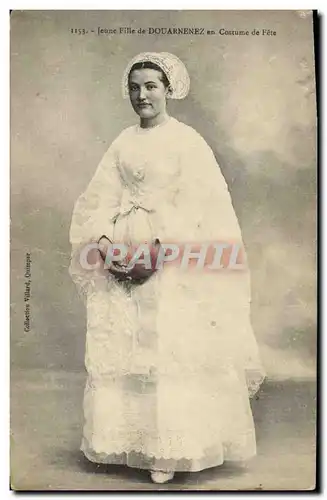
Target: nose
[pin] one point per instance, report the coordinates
(142, 94)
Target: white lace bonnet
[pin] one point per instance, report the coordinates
(170, 64)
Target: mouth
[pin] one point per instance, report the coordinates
(143, 105)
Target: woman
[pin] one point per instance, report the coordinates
(170, 354)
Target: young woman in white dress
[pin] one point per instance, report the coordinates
(170, 354)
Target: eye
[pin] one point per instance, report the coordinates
(133, 88)
(151, 86)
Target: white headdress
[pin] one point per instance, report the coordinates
(170, 64)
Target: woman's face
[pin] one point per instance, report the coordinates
(147, 92)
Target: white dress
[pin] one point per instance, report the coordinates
(171, 363)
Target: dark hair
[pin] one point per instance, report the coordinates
(151, 65)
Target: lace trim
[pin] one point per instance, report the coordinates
(225, 450)
(254, 384)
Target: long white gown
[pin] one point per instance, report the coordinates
(171, 363)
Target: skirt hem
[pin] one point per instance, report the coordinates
(135, 459)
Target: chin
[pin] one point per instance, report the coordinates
(145, 113)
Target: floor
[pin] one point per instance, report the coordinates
(46, 422)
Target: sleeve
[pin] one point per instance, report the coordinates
(93, 216)
(206, 196)
(212, 218)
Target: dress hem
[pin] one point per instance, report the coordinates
(138, 460)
